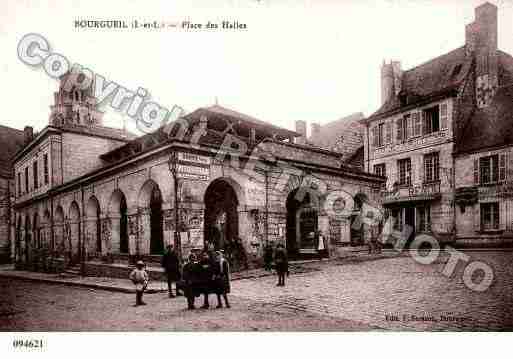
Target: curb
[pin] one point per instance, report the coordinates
(79, 284)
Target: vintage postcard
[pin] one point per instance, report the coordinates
(255, 165)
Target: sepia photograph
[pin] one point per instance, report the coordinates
(249, 166)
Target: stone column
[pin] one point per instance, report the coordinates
(106, 235)
(144, 230)
(115, 234)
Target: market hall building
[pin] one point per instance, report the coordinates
(89, 193)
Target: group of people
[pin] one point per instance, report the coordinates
(204, 273)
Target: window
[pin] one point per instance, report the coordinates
(378, 135)
(45, 164)
(488, 169)
(26, 180)
(34, 173)
(404, 166)
(431, 167)
(404, 127)
(489, 216)
(424, 218)
(417, 124)
(431, 119)
(380, 170)
(19, 183)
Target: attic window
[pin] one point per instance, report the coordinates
(456, 70)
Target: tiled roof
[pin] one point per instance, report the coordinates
(11, 141)
(441, 74)
(490, 127)
(343, 135)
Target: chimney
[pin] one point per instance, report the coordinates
(28, 135)
(391, 80)
(397, 74)
(387, 82)
(481, 42)
(316, 131)
(301, 129)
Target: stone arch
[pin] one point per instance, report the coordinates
(222, 199)
(93, 226)
(58, 222)
(45, 230)
(36, 230)
(118, 215)
(150, 205)
(28, 238)
(74, 231)
(302, 223)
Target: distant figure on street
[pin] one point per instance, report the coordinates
(268, 256)
(206, 275)
(222, 279)
(321, 244)
(140, 278)
(282, 264)
(171, 265)
(191, 271)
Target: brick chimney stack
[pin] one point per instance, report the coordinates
(481, 43)
(301, 128)
(28, 135)
(316, 131)
(391, 80)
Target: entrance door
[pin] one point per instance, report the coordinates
(221, 218)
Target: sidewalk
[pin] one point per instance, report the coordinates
(155, 286)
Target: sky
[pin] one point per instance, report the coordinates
(315, 61)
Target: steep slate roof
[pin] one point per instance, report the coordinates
(11, 141)
(491, 126)
(435, 77)
(349, 127)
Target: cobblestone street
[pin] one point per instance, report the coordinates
(357, 295)
(367, 292)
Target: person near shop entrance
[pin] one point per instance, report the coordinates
(222, 279)
(190, 279)
(171, 265)
(140, 278)
(282, 264)
(268, 256)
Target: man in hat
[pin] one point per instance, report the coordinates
(171, 265)
(140, 278)
(222, 279)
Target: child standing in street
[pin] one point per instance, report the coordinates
(140, 278)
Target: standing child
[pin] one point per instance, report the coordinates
(140, 278)
(282, 264)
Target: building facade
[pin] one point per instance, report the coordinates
(11, 140)
(441, 139)
(215, 178)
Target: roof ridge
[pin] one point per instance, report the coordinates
(434, 59)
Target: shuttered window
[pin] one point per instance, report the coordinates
(417, 124)
(374, 132)
(443, 115)
(404, 169)
(476, 171)
(488, 169)
(388, 132)
(489, 216)
(399, 129)
(502, 167)
(431, 167)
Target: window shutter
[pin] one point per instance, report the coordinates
(417, 125)
(502, 167)
(388, 130)
(423, 121)
(477, 218)
(443, 115)
(502, 215)
(409, 126)
(375, 136)
(399, 129)
(476, 171)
